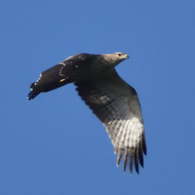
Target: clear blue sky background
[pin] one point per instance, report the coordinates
(54, 144)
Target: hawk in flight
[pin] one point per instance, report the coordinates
(111, 99)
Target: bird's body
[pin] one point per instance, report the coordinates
(112, 100)
(75, 68)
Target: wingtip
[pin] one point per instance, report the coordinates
(32, 95)
(133, 157)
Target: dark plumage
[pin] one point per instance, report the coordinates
(60, 74)
(112, 100)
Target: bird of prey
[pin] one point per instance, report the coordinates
(111, 99)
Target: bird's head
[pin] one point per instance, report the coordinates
(115, 58)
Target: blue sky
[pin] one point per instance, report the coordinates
(54, 144)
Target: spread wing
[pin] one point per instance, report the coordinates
(61, 74)
(117, 106)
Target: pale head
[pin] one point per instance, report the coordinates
(115, 58)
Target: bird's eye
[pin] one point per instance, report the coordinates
(119, 54)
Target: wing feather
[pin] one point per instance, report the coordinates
(116, 104)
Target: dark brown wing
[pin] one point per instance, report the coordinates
(116, 104)
(60, 74)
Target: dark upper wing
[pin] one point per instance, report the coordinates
(59, 75)
(116, 104)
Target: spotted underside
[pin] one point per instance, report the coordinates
(116, 104)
